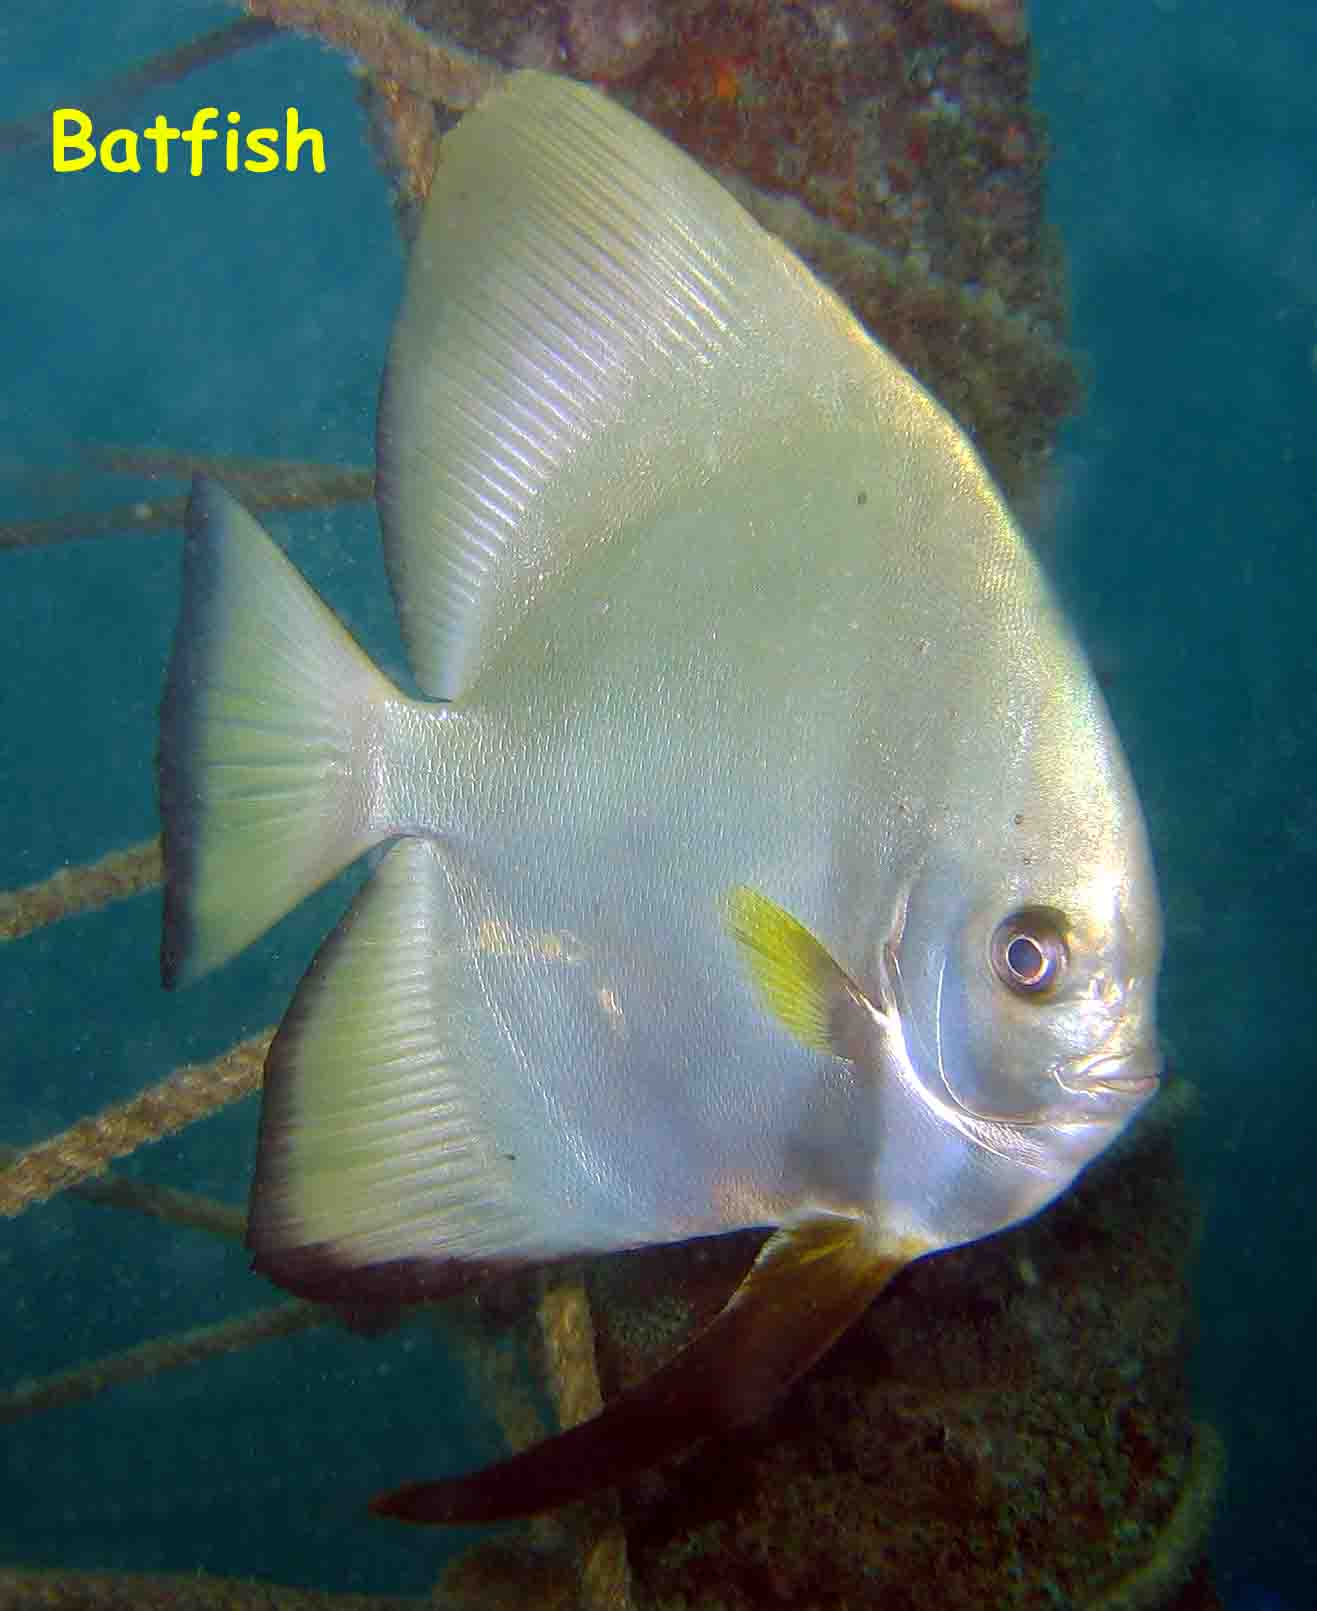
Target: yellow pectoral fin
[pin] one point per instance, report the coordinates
(810, 1281)
(797, 979)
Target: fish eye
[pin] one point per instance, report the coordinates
(1029, 952)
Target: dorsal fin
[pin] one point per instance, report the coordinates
(591, 327)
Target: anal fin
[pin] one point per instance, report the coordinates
(393, 1112)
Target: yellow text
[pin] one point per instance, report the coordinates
(73, 147)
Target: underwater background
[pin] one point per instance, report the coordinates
(247, 315)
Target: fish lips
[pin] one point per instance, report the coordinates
(1116, 1080)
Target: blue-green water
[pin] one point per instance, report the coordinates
(248, 315)
(1184, 184)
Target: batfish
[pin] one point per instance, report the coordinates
(759, 851)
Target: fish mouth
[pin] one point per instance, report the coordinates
(1129, 1076)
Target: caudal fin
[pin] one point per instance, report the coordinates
(262, 772)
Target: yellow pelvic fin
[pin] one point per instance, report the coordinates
(810, 1281)
(802, 986)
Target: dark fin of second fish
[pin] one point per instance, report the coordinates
(262, 701)
(809, 1283)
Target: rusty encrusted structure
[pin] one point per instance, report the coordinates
(1009, 1424)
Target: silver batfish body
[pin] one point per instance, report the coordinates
(763, 853)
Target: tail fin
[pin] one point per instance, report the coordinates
(263, 782)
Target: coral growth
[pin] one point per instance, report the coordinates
(1005, 17)
(611, 39)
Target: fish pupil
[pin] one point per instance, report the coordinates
(1026, 959)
